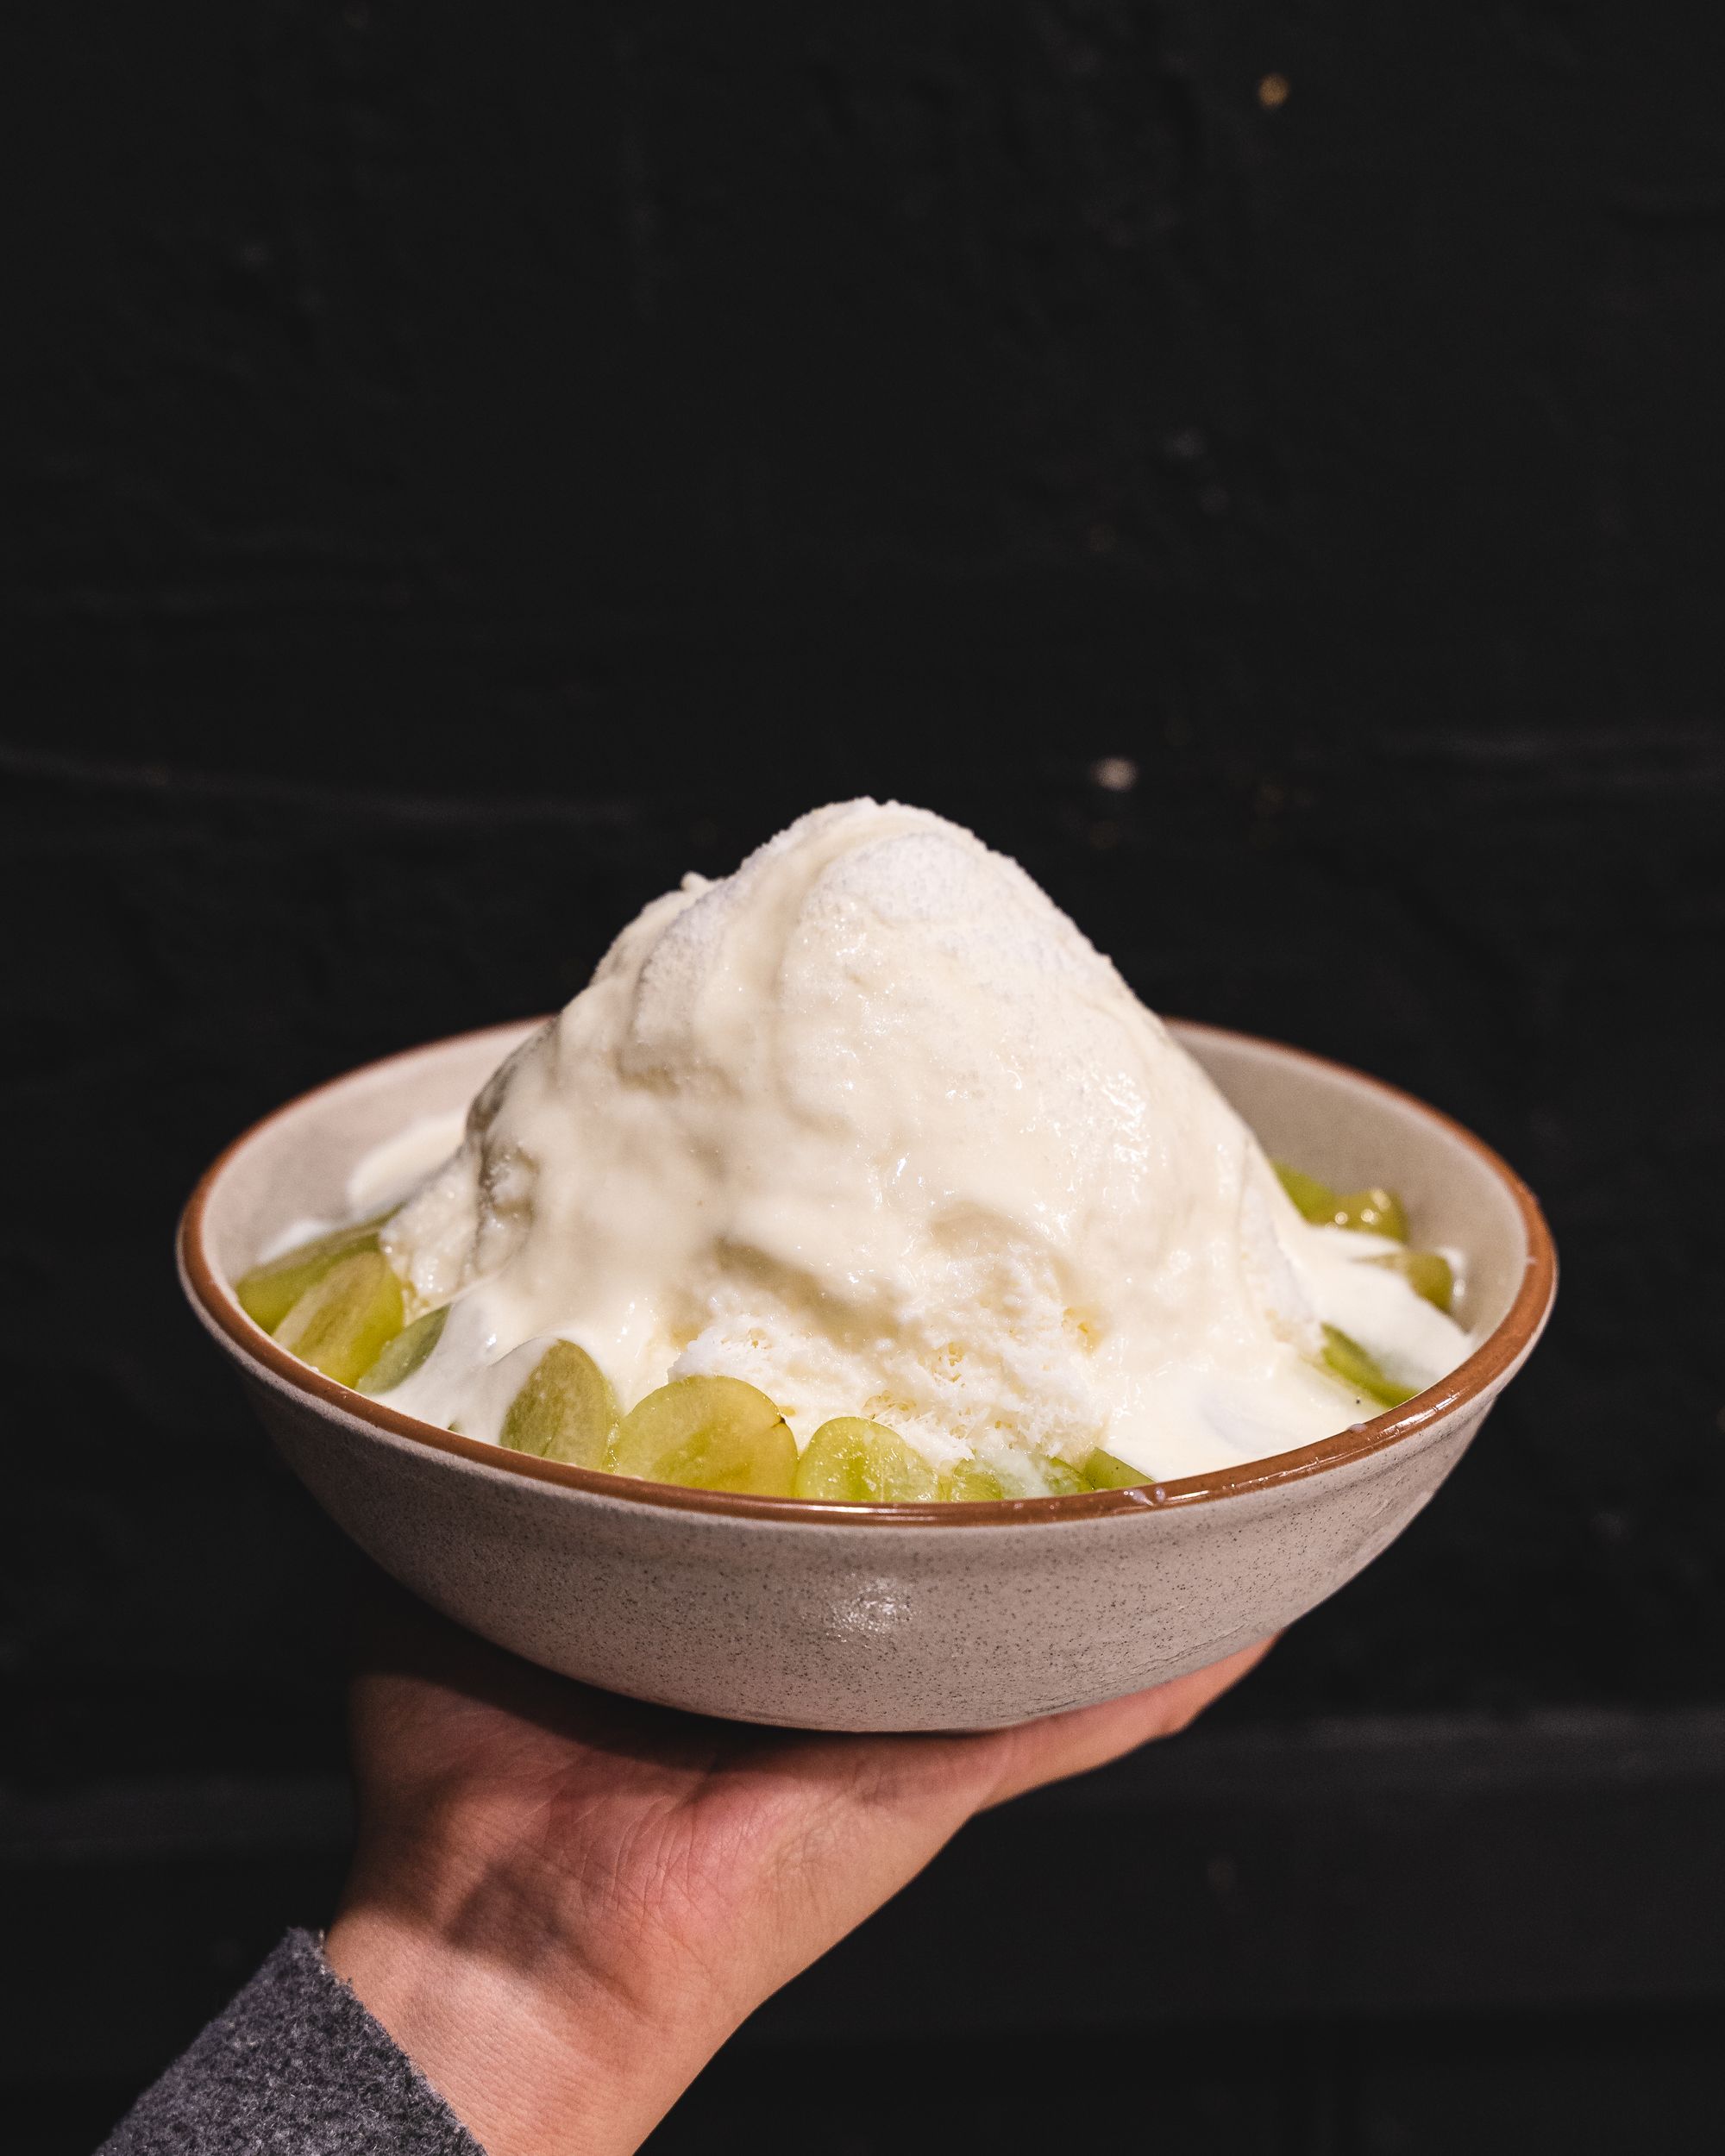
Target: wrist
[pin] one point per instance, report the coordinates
(528, 2048)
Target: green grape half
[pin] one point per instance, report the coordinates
(346, 1318)
(849, 1461)
(1314, 1199)
(1375, 1212)
(1103, 1470)
(1062, 1479)
(269, 1291)
(404, 1353)
(968, 1482)
(1355, 1367)
(1033, 1477)
(566, 1410)
(1428, 1273)
(707, 1433)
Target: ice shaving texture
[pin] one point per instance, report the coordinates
(871, 1125)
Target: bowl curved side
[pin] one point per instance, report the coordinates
(823, 1627)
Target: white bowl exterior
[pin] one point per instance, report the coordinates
(816, 1623)
(825, 1626)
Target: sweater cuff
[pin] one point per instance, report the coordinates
(294, 2066)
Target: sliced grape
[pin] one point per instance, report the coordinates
(1036, 1477)
(1375, 1212)
(1315, 1199)
(1104, 1470)
(565, 1411)
(404, 1353)
(968, 1482)
(708, 1434)
(1061, 1479)
(268, 1292)
(1428, 1273)
(344, 1320)
(849, 1461)
(1355, 1367)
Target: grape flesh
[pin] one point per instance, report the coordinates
(566, 1410)
(268, 1292)
(1104, 1470)
(1047, 1478)
(344, 1320)
(849, 1461)
(1428, 1273)
(968, 1482)
(1315, 1200)
(707, 1433)
(404, 1353)
(1062, 1479)
(1374, 1212)
(1355, 1367)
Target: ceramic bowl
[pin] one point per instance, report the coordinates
(875, 1617)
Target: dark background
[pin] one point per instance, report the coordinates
(465, 466)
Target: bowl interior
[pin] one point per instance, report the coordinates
(297, 1163)
(1325, 1118)
(1354, 1132)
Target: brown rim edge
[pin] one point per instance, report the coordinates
(1484, 1371)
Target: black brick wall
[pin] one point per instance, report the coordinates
(466, 466)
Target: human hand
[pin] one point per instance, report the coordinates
(562, 1903)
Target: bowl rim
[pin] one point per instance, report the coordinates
(1479, 1376)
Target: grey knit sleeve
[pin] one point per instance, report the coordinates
(295, 2066)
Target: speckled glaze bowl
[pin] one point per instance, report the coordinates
(886, 1616)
